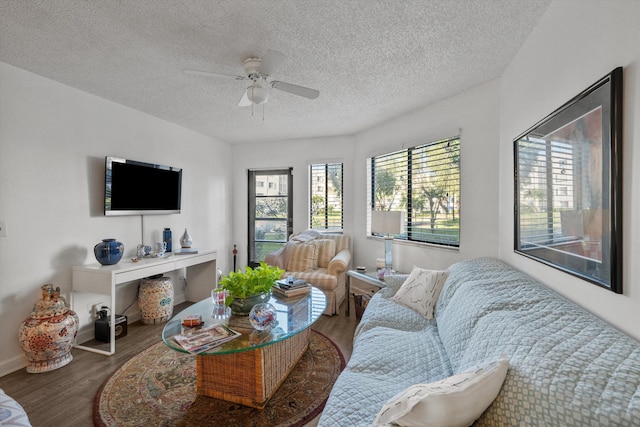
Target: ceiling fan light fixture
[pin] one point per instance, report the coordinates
(257, 93)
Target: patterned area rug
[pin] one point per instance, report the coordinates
(157, 388)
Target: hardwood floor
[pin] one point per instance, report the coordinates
(64, 397)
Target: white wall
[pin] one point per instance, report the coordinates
(474, 114)
(53, 140)
(575, 44)
(297, 154)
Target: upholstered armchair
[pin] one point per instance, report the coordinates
(320, 259)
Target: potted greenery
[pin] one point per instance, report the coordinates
(250, 287)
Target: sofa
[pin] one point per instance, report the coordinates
(322, 259)
(12, 414)
(566, 367)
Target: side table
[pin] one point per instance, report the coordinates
(362, 283)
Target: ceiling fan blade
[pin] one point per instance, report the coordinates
(295, 89)
(271, 61)
(244, 101)
(212, 74)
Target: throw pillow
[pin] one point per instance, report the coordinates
(303, 257)
(455, 401)
(326, 251)
(421, 290)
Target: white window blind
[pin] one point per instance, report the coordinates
(423, 182)
(325, 204)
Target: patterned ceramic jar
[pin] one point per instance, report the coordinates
(155, 300)
(48, 334)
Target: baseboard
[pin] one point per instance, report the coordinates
(11, 365)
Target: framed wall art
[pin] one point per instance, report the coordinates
(568, 186)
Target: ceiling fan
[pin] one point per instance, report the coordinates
(258, 70)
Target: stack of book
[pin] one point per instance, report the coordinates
(202, 339)
(291, 289)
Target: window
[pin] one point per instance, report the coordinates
(424, 183)
(325, 193)
(270, 212)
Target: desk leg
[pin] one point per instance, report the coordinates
(112, 327)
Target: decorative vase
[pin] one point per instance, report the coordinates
(263, 316)
(47, 335)
(185, 240)
(243, 306)
(108, 252)
(166, 237)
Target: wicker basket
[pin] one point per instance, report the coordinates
(250, 377)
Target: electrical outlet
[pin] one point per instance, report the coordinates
(95, 308)
(3, 228)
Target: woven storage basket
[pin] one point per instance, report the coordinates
(250, 377)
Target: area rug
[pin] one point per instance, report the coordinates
(158, 388)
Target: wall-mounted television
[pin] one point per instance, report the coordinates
(139, 188)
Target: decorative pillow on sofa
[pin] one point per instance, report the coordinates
(421, 290)
(326, 251)
(455, 401)
(303, 257)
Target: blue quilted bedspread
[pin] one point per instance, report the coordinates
(567, 367)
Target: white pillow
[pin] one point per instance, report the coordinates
(421, 290)
(455, 401)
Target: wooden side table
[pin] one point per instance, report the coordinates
(362, 283)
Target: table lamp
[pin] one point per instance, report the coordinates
(387, 223)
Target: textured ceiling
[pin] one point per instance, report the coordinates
(370, 60)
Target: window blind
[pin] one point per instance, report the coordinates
(325, 190)
(424, 182)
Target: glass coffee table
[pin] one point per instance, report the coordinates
(251, 367)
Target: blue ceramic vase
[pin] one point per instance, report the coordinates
(109, 251)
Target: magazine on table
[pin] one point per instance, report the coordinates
(198, 340)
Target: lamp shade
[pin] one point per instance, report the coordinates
(257, 93)
(387, 222)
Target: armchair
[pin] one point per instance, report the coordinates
(320, 259)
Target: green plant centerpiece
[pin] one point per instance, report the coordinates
(251, 287)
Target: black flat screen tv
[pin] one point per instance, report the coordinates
(138, 188)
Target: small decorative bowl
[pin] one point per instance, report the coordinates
(263, 316)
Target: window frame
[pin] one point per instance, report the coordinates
(252, 258)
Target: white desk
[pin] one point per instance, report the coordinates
(104, 279)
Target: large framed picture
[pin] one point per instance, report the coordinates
(568, 186)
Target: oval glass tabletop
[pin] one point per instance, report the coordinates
(294, 315)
